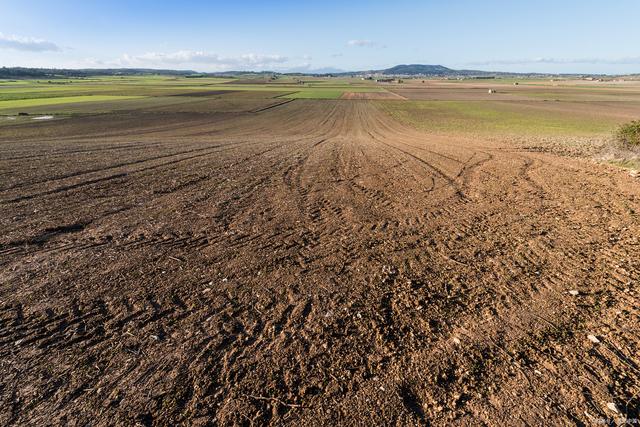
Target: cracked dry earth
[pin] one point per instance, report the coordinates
(313, 263)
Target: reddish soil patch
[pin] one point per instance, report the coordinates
(314, 263)
(371, 95)
(206, 93)
(477, 91)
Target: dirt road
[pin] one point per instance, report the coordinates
(311, 263)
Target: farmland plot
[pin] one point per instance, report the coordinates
(311, 262)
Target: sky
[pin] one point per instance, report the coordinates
(520, 36)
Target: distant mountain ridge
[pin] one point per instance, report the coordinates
(434, 71)
(25, 72)
(398, 70)
(413, 69)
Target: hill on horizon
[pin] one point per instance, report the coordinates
(398, 70)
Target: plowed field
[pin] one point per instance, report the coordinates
(310, 263)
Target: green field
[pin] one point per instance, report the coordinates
(578, 114)
(36, 102)
(21, 94)
(493, 117)
(316, 94)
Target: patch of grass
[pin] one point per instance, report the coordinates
(570, 93)
(315, 94)
(493, 117)
(39, 91)
(36, 102)
(629, 133)
(627, 163)
(296, 88)
(37, 95)
(328, 91)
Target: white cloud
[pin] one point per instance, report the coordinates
(366, 43)
(27, 44)
(361, 43)
(191, 57)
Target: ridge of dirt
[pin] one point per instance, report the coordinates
(316, 263)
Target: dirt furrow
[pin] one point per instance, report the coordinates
(313, 262)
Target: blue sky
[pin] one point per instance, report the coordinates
(542, 36)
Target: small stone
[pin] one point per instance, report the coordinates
(456, 340)
(574, 292)
(613, 407)
(593, 339)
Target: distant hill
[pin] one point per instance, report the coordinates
(399, 70)
(413, 69)
(43, 73)
(433, 71)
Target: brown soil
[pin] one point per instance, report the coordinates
(313, 263)
(371, 95)
(207, 93)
